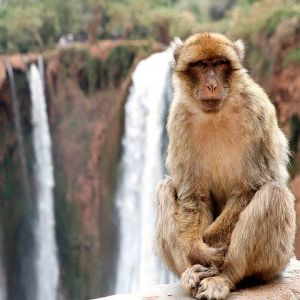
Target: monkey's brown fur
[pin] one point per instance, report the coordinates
(225, 212)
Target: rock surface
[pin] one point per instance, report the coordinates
(286, 287)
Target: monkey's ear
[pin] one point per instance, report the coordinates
(175, 46)
(240, 49)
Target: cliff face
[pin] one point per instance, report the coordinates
(86, 90)
(86, 123)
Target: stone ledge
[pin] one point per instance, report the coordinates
(285, 287)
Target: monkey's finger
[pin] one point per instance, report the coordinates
(206, 274)
(200, 289)
(199, 268)
(194, 292)
(222, 249)
(191, 277)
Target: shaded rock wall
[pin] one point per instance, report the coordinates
(16, 214)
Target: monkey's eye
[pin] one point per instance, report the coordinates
(198, 64)
(220, 62)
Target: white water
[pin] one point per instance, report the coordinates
(141, 170)
(46, 264)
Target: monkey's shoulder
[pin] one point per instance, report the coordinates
(256, 103)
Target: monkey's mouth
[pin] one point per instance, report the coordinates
(211, 105)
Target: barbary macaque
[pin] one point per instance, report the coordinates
(225, 212)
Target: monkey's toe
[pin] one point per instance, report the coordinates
(191, 278)
(213, 288)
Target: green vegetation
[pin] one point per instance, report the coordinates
(120, 60)
(38, 24)
(277, 15)
(94, 73)
(292, 56)
(68, 240)
(92, 68)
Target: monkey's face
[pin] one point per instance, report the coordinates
(203, 67)
(209, 78)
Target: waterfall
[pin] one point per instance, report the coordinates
(141, 168)
(46, 264)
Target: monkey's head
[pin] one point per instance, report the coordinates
(203, 66)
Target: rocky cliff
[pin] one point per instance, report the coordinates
(86, 89)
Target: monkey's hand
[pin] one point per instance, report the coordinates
(207, 256)
(191, 277)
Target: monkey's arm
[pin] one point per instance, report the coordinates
(179, 228)
(193, 216)
(218, 234)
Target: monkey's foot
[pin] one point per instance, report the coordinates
(191, 277)
(213, 288)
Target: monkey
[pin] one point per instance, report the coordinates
(225, 212)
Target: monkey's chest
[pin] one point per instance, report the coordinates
(220, 161)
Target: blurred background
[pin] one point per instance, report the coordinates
(84, 96)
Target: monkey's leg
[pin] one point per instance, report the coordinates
(178, 236)
(166, 232)
(261, 242)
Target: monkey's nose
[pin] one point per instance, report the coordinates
(211, 85)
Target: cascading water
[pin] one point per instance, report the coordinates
(47, 268)
(141, 170)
